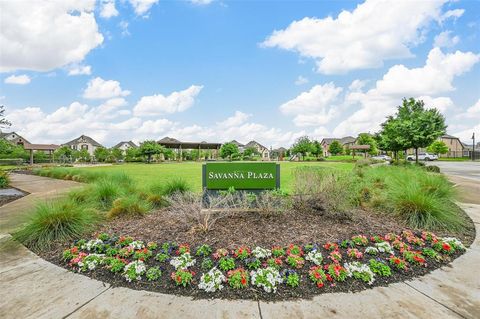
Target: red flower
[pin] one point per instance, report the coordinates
(397, 261)
(446, 247)
(179, 279)
(329, 278)
(320, 284)
(244, 281)
(317, 275)
(74, 250)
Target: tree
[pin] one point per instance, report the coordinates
(63, 153)
(229, 150)
(117, 154)
(425, 125)
(83, 155)
(3, 121)
(367, 139)
(149, 148)
(317, 148)
(250, 151)
(335, 148)
(101, 154)
(393, 136)
(438, 147)
(303, 145)
(132, 154)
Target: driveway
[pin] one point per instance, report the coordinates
(469, 170)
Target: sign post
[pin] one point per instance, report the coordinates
(241, 176)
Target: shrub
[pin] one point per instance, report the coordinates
(130, 205)
(176, 186)
(4, 179)
(432, 168)
(63, 220)
(105, 192)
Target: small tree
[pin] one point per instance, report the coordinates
(82, 155)
(101, 154)
(132, 154)
(303, 145)
(317, 148)
(367, 139)
(438, 147)
(149, 148)
(229, 150)
(250, 151)
(117, 154)
(335, 148)
(3, 121)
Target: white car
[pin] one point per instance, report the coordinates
(423, 157)
(382, 158)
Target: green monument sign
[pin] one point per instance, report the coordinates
(241, 176)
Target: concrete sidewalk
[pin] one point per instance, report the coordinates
(33, 288)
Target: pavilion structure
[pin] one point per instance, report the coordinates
(355, 147)
(173, 143)
(50, 148)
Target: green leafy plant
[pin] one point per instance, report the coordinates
(380, 268)
(153, 273)
(226, 263)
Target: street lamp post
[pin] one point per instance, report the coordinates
(473, 148)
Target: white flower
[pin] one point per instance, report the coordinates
(260, 252)
(315, 257)
(212, 281)
(183, 261)
(357, 269)
(137, 244)
(371, 250)
(138, 270)
(384, 247)
(267, 278)
(91, 262)
(92, 244)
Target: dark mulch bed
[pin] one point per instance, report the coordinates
(7, 199)
(252, 229)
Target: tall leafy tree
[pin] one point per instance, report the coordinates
(438, 147)
(335, 148)
(229, 150)
(149, 148)
(426, 125)
(3, 121)
(317, 148)
(117, 154)
(303, 145)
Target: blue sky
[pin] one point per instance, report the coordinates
(218, 70)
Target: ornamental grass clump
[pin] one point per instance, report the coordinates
(176, 186)
(129, 205)
(63, 220)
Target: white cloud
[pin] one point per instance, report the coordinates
(313, 107)
(433, 78)
(141, 7)
(201, 2)
(124, 28)
(155, 126)
(78, 69)
(174, 102)
(108, 9)
(440, 103)
(446, 40)
(18, 79)
(427, 82)
(235, 120)
(44, 35)
(372, 33)
(466, 135)
(301, 80)
(473, 112)
(455, 14)
(99, 88)
(357, 85)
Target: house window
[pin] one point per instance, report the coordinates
(84, 147)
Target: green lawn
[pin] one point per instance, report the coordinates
(146, 174)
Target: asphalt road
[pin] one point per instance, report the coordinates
(470, 170)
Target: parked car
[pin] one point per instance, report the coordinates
(423, 157)
(382, 158)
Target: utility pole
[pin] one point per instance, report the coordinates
(473, 148)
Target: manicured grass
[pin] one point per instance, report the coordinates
(149, 174)
(339, 158)
(454, 159)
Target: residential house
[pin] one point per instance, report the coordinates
(346, 142)
(455, 147)
(14, 138)
(279, 153)
(124, 146)
(83, 143)
(264, 152)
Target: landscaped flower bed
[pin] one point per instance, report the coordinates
(258, 272)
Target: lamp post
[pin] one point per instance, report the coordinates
(473, 148)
